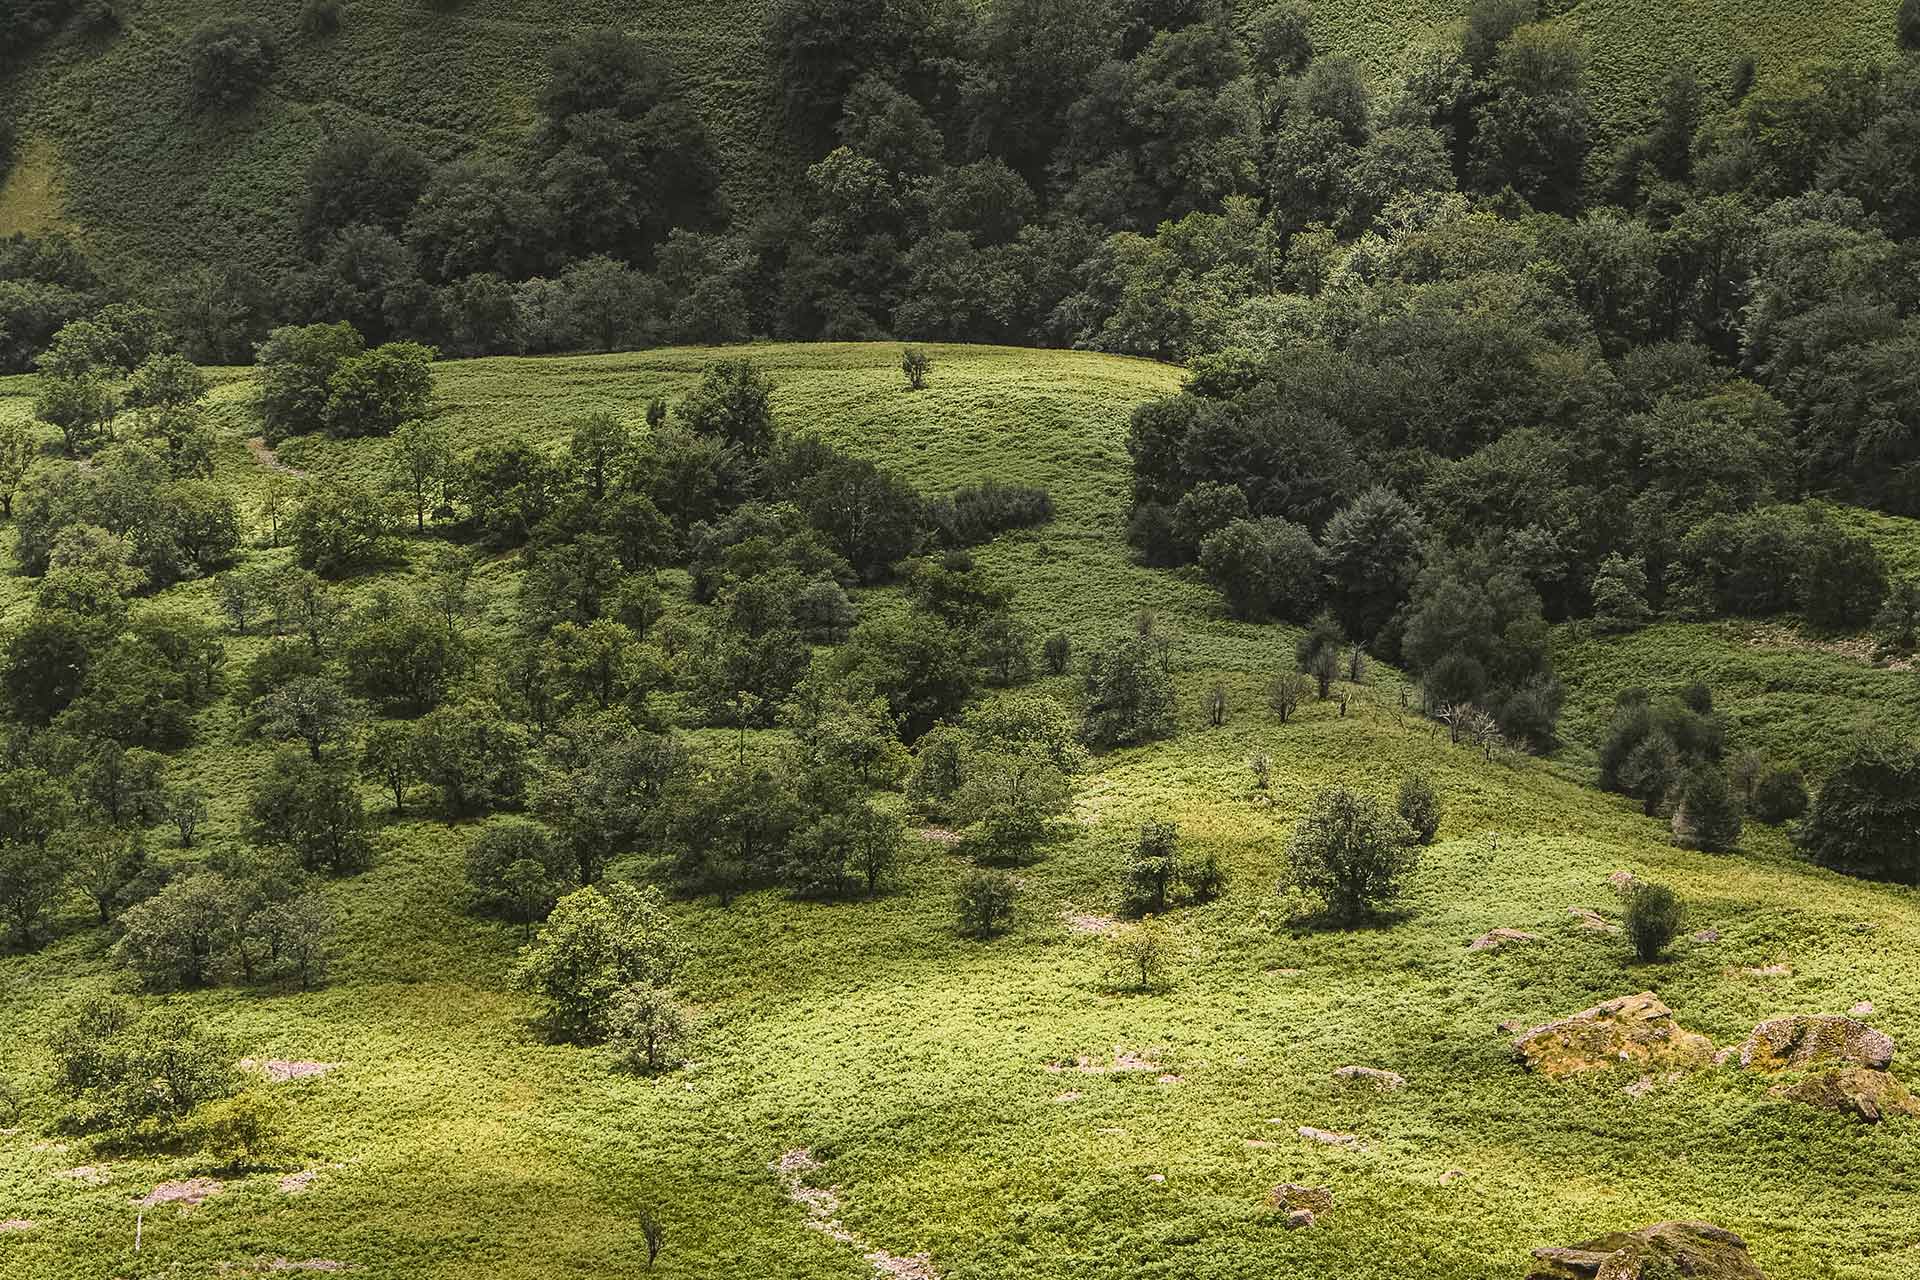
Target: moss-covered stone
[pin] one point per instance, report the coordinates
(1663, 1251)
(1637, 1031)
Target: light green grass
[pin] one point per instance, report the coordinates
(452, 1142)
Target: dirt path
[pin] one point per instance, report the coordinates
(264, 455)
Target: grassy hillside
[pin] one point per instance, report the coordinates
(450, 1140)
(113, 150)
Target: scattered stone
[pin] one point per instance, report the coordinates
(1452, 1176)
(1862, 1010)
(1706, 935)
(823, 1215)
(1330, 1138)
(1769, 971)
(1692, 1249)
(1591, 919)
(939, 835)
(1624, 881)
(1647, 1084)
(296, 1183)
(918, 1266)
(1299, 1218)
(310, 1264)
(15, 1224)
(187, 1193)
(1123, 1060)
(1285, 973)
(1384, 1081)
(1170, 1078)
(1156, 1177)
(1258, 1144)
(1071, 1095)
(46, 1146)
(92, 1174)
(1635, 1030)
(1870, 1095)
(280, 1070)
(1088, 922)
(1498, 938)
(1812, 1040)
(1312, 1200)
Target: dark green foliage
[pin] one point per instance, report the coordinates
(1654, 917)
(983, 904)
(1317, 652)
(977, 513)
(1160, 875)
(1371, 553)
(336, 530)
(1620, 595)
(1127, 695)
(136, 1077)
(1779, 795)
(1842, 580)
(297, 365)
(1057, 652)
(1649, 747)
(473, 756)
(844, 853)
(364, 176)
(1266, 568)
(229, 61)
(1352, 852)
(1865, 818)
(516, 869)
(596, 944)
(321, 17)
(1706, 814)
(1418, 807)
(314, 811)
(919, 664)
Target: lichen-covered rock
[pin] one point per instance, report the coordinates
(1497, 938)
(1695, 1250)
(1858, 1091)
(1294, 1197)
(1637, 1031)
(1815, 1040)
(1384, 1081)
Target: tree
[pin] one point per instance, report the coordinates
(372, 393)
(1140, 956)
(243, 1132)
(1005, 648)
(1418, 807)
(32, 878)
(105, 862)
(1530, 131)
(1317, 652)
(648, 1029)
(595, 944)
(1907, 26)
(1654, 917)
(1009, 805)
(843, 853)
(732, 403)
(186, 809)
(1265, 568)
(315, 812)
(421, 458)
(336, 529)
(983, 903)
(1842, 579)
(1152, 867)
(174, 938)
(919, 664)
(18, 452)
(230, 60)
(1352, 852)
(1865, 818)
(313, 709)
(473, 756)
(1370, 553)
(138, 1077)
(388, 757)
(297, 365)
(1285, 692)
(515, 868)
(1620, 595)
(915, 364)
(81, 407)
(1707, 815)
(1128, 695)
(1057, 652)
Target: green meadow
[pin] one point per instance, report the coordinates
(938, 1081)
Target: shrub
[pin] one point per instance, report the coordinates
(1620, 595)
(229, 61)
(1057, 653)
(1707, 815)
(1151, 867)
(516, 869)
(1780, 794)
(243, 1132)
(975, 513)
(1351, 852)
(595, 945)
(914, 363)
(648, 1027)
(1865, 818)
(136, 1077)
(1419, 807)
(321, 17)
(1128, 695)
(1140, 956)
(983, 904)
(1265, 568)
(1655, 916)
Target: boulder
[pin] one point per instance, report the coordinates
(1805, 1040)
(1384, 1081)
(1498, 938)
(1857, 1091)
(1294, 1197)
(1588, 918)
(1691, 1249)
(1636, 1030)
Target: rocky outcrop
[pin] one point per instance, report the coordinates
(1805, 1040)
(1691, 1249)
(1498, 938)
(1636, 1031)
(1303, 1205)
(1856, 1091)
